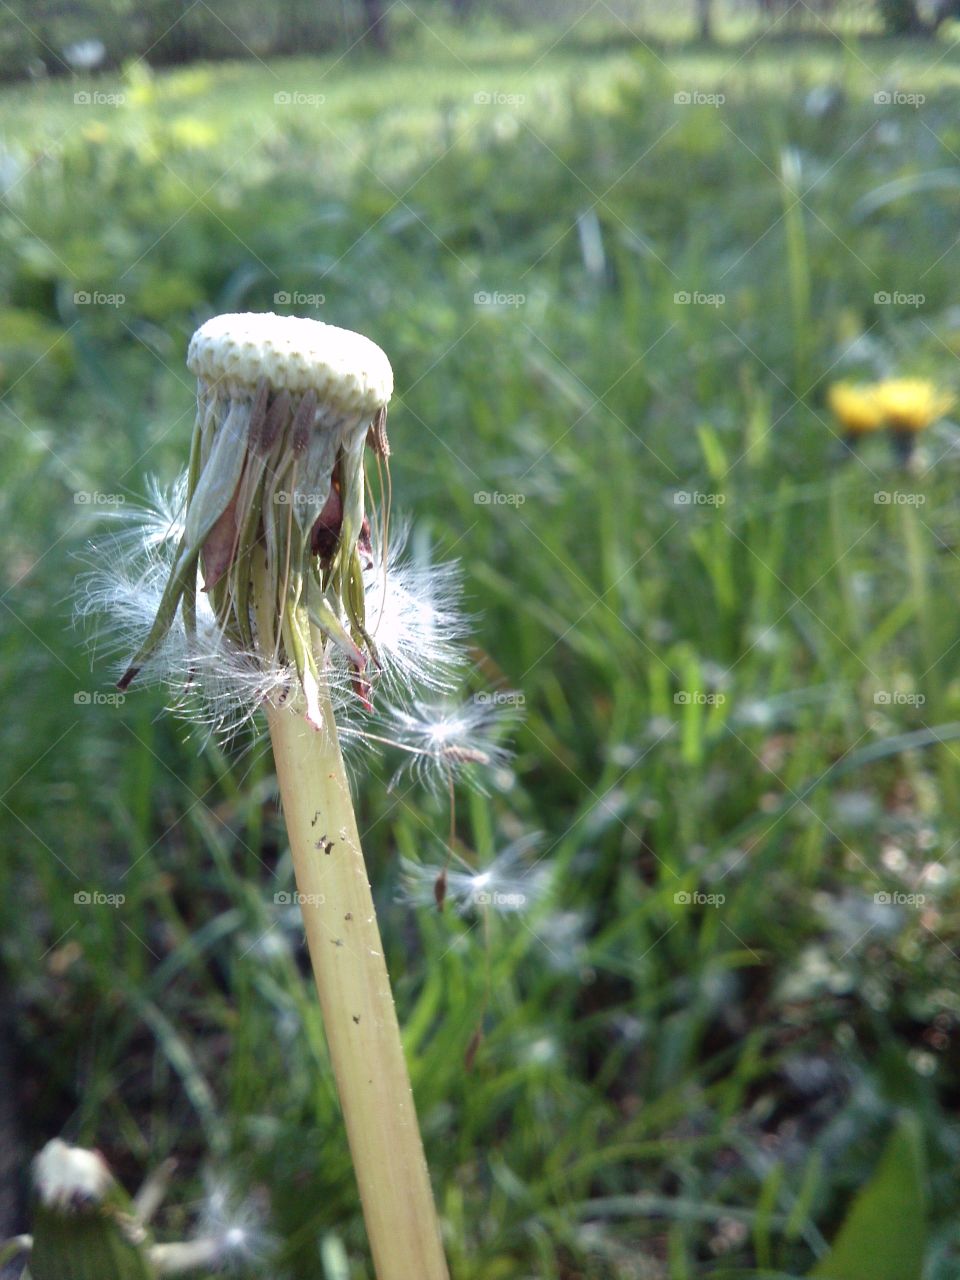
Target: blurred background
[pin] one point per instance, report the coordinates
(618, 254)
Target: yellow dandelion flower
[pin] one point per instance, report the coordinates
(854, 407)
(911, 404)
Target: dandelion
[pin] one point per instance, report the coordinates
(68, 1178)
(415, 622)
(284, 409)
(910, 405)
(173, 582)
(260, 583)
(86, 1224)
(444, 738)
(856, 409)
(509, 883)
(231, 1225)
(414, 617)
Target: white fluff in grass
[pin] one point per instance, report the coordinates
(509, 883)
(235, 1222)
(67, 1178)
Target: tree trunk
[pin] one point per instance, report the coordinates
(375, 34)
(705, 20)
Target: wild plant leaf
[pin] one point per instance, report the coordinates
(884, 1234)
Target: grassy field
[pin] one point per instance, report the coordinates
(738, 652)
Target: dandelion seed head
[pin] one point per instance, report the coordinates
(349, 373)
(415, 617)
(510, 883)
(444, 739)
(258, 578)
(219, 684)
(235, 1222)
(210, 680)
(67, 1178)
(564, 935)
(273, 528)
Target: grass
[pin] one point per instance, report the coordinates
(663, 1087)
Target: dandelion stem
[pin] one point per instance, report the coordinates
(354, 988)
